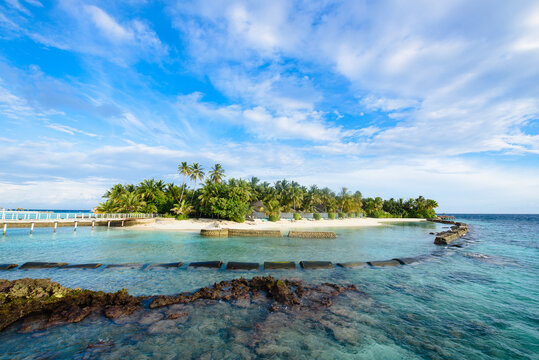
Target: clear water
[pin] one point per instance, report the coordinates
(478, 302)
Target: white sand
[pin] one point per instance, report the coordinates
(164, 224)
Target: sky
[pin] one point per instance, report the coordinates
(392, 98)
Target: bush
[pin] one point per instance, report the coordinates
(342, 215)
(331, 216)
(182, 217)
(168, 215)
(317, 216)
(297, 216)
(274, 218)
(351, 214)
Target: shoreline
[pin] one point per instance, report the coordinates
(195, 225)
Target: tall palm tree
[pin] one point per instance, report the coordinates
(197, 173)
(184, 170)
(217, 173)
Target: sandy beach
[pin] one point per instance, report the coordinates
(165, 224)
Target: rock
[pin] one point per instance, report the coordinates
(150, 317)
(207, 264)
(312, 234)
(163, 326)
(124, 266)
(82, 266)
(8, 266)
(166, 265)
(409, 260)
(353, 264)
(23, 297)
(309, 265)
(214, 232)
(285, 265)
(385, 263)
(254, 233)
(41, 265)
(242, 266)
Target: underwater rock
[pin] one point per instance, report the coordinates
(82, 266)
(385, 263)
(8, 266)
(41, 265)
(353, 264)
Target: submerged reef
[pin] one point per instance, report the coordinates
(52, 304)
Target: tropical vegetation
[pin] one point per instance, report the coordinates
(235, 199)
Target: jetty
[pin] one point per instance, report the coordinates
(49, 219)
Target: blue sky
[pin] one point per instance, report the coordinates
(393, 98)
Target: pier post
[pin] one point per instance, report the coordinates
(32, 229)
(122, 223)
(5, 228)
(75, 226)
(108, 225)
(93, 224)
(55, 225)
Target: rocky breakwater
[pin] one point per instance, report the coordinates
(456, 231)
(52, 304)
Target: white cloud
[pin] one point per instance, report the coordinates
(69, 130)
(109, 27)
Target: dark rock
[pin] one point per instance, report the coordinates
(207, 264)
(41, 265)
(409, 260)
(309, 265)
(285, 265)
(82, 266)
(385, 263)
(123, 266)
(242, 266)
(8, 266)
(167, 265)
(353, 264)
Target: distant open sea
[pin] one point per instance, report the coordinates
(480, 301)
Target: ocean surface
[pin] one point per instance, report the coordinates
(480, 301)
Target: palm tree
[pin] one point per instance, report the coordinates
(197, 173)
(108, 206)
(182, 208)
(217, 173)
(130, 202)
(149, 189)
(184, 170)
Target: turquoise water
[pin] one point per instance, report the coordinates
(476, 302)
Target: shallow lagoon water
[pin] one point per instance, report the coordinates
(477, 302)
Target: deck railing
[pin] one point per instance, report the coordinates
(46, 215)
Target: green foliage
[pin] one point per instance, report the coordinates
(274, 218)
(297, 216)
(317, 216)
(182, 217)
(231, 199)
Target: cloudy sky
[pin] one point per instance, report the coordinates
(393, 98)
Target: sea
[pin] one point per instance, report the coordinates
(477, 300)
